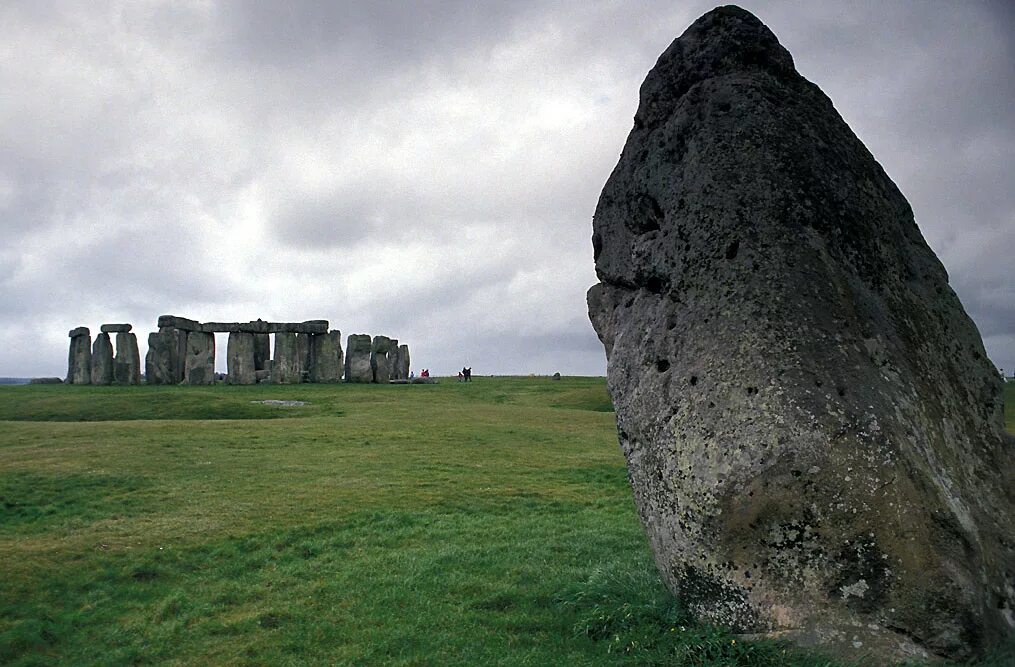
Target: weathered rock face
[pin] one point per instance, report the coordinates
(162, 357)
(127, 362)
(402, 363)
(357, 359)
(199, 360)
(115, 328)
(813, 431)
(305, 352)
(79, 358)
(327, 357)
(380, 363)
(102, 360)
(262, 351)
(288, 366)
(240, 365)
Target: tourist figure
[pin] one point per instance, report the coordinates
(461, 376)
(468, 374)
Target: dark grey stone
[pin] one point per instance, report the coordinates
(814, 433)
(199, 359)
(163, 356)
(287, 366)
(115, 328)
(181, 323)
(127, 362)
(80, 331)
(380, 364)
(50, 380)
(102, 360)
(327, 357)
(240, 366)
(79, 357)
(357, 359)
(262, 351)
(401, 367)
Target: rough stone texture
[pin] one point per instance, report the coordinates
(287, 367)
(79, 357)
(305, 352)
(115, 328)
(46, 380)
(262, 375)
(240, 364)
(127, 362)
(181, 323)
(813, 431)
(327, 357)
(262, 351)
(380, 363)
(162, 359)
(199, 358)
(402, 363)
(102, 360)
(357, 359)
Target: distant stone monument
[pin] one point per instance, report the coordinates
(357, 359)
(102, 360)
(199, 361)
(380, 363)
(79, 359)
(240, 358)
(127, 362)
(289, 360)
(813, 430)
(327, 358)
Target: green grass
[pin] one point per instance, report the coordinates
(488, 523)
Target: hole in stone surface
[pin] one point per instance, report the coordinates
(841, 391)
(655, 284)
(662, 365)
(817, 383)
(732, 249)
(694, 380)
(752, 390)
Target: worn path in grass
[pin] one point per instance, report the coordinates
(456, 524)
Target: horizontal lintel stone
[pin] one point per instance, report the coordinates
(80, 331)
(115, 328)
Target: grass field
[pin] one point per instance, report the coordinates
(459, 524)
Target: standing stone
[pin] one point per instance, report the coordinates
(127, 362)
(162, 357)
(357, 359)
(240, 366)
(327, 357)
(402, 369)
(79, 358)
(380, 364)
(813, 431)
(102, 360)
(305, 353)
(199, 358)
(287, 367)
(262, 351)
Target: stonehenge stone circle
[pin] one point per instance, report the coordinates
(327, 357)
(240, 358)
(183, 351)
(102, 360)
(357, 359)
(127, 362)
(380, 364)
(813, 431)
(79, 358)
(199, 360)
(288, 366)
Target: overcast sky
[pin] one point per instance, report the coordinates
(427, 170)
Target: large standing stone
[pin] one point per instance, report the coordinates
(357, 359)
(380, 363)
(162, 358)
(79, 357)
(102, 360)
(262, 351)
(127, 362)
(327, 357)
(199, 359)
(240, 366)
(305, 352)
(813, 431)
(402, 365)
(287, 367)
